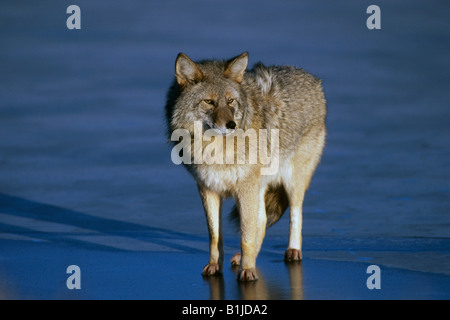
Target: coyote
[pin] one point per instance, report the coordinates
(226, 98)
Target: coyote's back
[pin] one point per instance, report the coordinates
(289, 99)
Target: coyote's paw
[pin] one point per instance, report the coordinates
(236, 259)
(211, 269)
(293, 255)
(248, 275)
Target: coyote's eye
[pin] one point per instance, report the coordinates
(208, 101)
(230, 100)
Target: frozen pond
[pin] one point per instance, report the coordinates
(86, 176)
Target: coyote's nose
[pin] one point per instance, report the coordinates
(231, 125)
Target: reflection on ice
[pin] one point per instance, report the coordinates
(260, 289)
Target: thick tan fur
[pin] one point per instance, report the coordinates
(226, 97)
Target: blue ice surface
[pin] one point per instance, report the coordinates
(85, 170)
(38, 271)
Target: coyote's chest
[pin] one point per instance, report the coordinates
(222, 179)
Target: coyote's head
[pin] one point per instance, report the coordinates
(208, 91)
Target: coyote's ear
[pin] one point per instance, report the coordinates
(186, 70)
(235, 68)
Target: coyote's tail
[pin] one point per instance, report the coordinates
(276, 203)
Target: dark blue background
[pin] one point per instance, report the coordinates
(86, 175)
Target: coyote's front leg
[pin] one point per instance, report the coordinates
(212, 203)
(253, 225)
